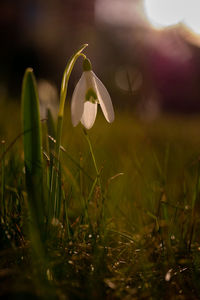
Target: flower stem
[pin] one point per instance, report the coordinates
(97, 174)
(91, 151)
(55, 170)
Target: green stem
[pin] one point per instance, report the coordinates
(91, 151)
(63, 94)
(65, 79)
(97, 173)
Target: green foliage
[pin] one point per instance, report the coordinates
(31, 124)
(147, 229)
(115, 217)
(33, 158)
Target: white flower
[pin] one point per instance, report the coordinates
(88, 93)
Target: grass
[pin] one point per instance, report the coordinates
(128, 227)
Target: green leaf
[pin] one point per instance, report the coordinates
(33, 153)
(31, 124)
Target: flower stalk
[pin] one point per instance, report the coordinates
(63, 94)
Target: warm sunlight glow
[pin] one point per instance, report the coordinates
(192, 16)
(124, 13)
(162, 13)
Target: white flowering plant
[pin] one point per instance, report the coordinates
(88, 94)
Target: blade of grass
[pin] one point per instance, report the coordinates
(77, 164)
(3, 205)
(194, 203)
(102, 196)
(52, 133)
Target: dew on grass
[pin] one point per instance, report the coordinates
(92, 268)
(110, 284)
(137, 250)
(168, 275)
(182, 270)
(49, 275)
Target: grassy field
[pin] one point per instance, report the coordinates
(130, 233)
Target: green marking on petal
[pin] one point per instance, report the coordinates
(91, 96)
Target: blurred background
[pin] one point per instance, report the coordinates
(145, 51)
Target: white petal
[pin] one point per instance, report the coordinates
(90, 80)
(78, 98)
(89, 114)
(104, 100)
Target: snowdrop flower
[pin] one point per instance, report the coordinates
(88, 93)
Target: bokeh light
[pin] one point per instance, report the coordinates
(163, 13)
(48, 96)
(192, 17)
(128, 78)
